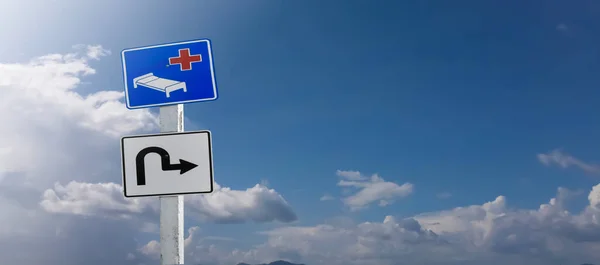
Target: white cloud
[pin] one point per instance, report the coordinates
(94, 52)
(49, 131)
(258, 204)
(51, 126)
(366, 243)
(151, 249)
(370, 190)
(549, 232)
(350, 175)
(490, 233)
(224, 205)
(326, 197)
(563, 160)
(57, 134)
(98, 199)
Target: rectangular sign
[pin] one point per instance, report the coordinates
(167, 164)
(169, 74)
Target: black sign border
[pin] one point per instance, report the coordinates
(210, 157)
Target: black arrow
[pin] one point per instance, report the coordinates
(165, 162)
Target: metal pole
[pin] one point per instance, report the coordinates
(171, 207)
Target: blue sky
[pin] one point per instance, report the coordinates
(455, 98)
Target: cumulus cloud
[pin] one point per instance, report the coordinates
(366, 243)
(224, 205)
(557, 157)
(52, 126)
(489, 233)
(551, 230)
(82, 217)
(50, 129)
(258, 204)
(371, 190)
(94, 199)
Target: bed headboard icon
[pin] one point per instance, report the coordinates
(151, 81)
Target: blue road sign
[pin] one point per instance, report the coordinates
(169, 74)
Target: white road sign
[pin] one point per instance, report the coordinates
(167, 164)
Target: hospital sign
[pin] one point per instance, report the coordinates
(169, 74)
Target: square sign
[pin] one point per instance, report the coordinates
(169, 74)
(167, 164)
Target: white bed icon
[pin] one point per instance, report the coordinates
(151, 81)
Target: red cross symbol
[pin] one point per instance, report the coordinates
(185, 60)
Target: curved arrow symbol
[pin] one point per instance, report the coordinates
(165, 162)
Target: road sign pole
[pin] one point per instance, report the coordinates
(168, 76)
(171, 207)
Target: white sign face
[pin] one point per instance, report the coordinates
(167, 164)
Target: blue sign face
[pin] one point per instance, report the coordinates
(169, 74)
